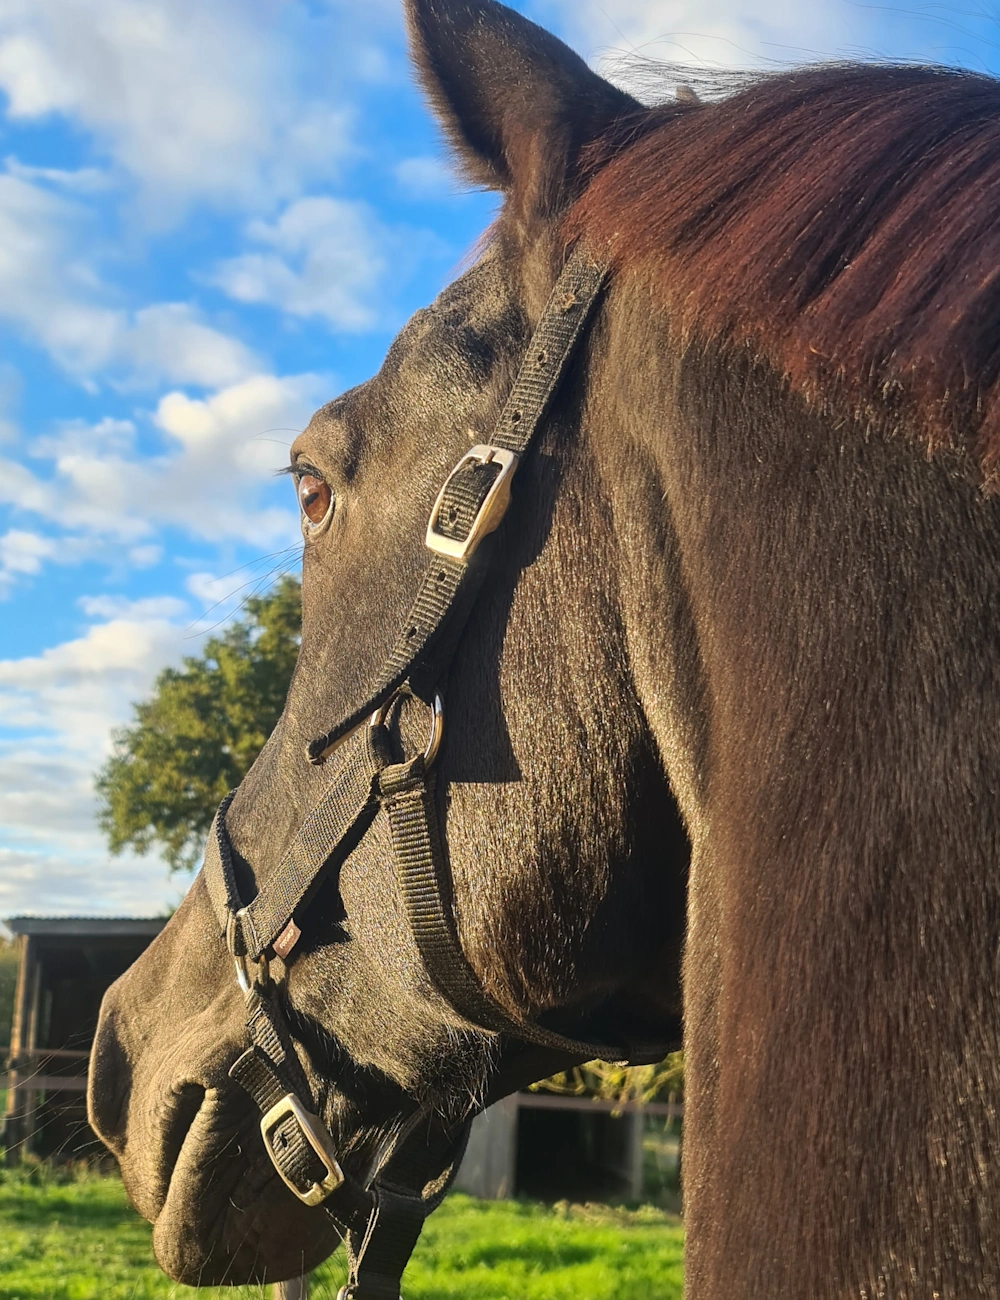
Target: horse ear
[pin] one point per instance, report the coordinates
(516, 103)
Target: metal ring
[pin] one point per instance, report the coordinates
(378, 719)
(247, 979)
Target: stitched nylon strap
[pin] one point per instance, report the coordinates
(349, 799)
(408, 799)
(378, 1255)
(446, 579)
(381, 1225)
(270, 1071)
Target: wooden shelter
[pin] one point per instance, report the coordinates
(550, 1148)
(64, 967)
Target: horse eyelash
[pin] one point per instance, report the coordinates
(301, 468)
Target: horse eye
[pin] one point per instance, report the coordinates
(315, 498)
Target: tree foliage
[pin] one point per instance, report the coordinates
(642, 1083)
(195, 738)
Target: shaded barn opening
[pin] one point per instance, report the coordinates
(65, 965)
(578, 1156)
(553, 1148)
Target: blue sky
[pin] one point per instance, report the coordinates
(214, 215)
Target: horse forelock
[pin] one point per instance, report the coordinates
(841, 222)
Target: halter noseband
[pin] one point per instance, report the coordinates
(381, 1222)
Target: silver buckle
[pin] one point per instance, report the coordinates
(491, 511)
(317, 1137)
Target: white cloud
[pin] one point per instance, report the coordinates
(222, 598)
(78, 689)
(194, 100)
(212, 591)
(82, 180)
(231, 443)
(51, 292)
(11, 386)
(66, 700)
(325, 258)
(22, 555)
(44, 288)
(763, 33)
(145, 557)
(82, 880)
(168, 342)
(222, 450)
(725, 34)
(119, 607)
(22, 552)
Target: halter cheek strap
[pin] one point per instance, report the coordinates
(381, 1222)
(473, 501)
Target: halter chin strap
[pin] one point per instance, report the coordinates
(382, 1222)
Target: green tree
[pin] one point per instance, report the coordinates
(197, 735)
(642, 1083)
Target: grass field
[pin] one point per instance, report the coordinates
(73, 1237)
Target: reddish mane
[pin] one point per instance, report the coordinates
(843, 222)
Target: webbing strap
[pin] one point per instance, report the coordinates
(552, 345)
(445, 577)
(378, 1255)
(408, 799)
(381, 1225)
(217, 869)
(271, 1073)
(349, 798)
(441, 586)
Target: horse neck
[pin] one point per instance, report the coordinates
(815, 629)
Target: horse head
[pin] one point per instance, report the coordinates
(565, 857)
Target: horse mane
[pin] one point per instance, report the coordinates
(842, 222)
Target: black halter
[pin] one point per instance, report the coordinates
(382, 1221)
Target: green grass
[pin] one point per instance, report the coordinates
(73, 1237)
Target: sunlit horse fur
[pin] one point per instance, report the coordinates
(753, 576)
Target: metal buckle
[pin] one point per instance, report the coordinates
(317, 1137)
(437, 724)
(491, 511)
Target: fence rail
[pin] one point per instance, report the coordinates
(45, 1082)
(556, 1101)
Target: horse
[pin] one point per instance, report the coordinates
(713, 729)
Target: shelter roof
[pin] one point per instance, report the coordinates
(86, 926)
